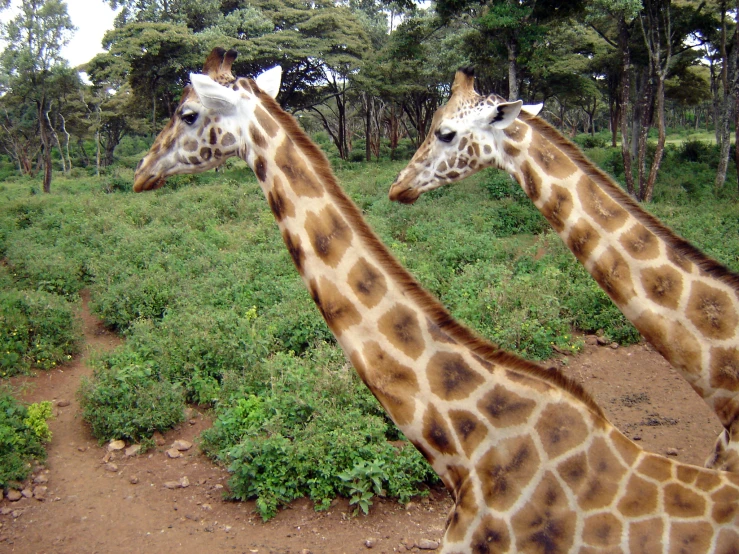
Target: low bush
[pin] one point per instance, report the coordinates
(23, 433)
(37, 329)
(126, 399)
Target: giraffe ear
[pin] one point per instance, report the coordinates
(269, 81)
(505, 113)
(214, 96)
(532, 109)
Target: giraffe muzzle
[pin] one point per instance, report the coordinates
(403, 194)
(151, 182)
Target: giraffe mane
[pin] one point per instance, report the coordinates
(430, 305)
(679, 244)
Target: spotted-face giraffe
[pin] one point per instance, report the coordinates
(682, 302)
(531, 461)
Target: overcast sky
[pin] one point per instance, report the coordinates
(92, 19)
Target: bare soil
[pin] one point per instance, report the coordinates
(92, 506)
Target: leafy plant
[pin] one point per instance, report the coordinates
(23, 432)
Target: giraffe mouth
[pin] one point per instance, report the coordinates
(405, 195)
(152, 182)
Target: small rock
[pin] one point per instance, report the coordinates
(182, 445)
(637, 438)
(111, 467)
(591, 340)
(207, 507)
(426, 544)
(63, 403)
(174, 453)
(158, 438)
(602, 341)
(133, 480)
(16, 513)
(27, 493)
(217, 486)
(4, 511)
(81, 448)
(13, 495)
(41, 479)
(172, 485)
(614, 345)
(184, 482)
(114, 446)
(410, 506)
(672, 452)
(369, 543)
(109, 456)
(132, 450)
(192, 422)
(305, 551)
(39, 492)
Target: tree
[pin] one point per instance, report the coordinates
(33, 65)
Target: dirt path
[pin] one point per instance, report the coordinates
(123, 505)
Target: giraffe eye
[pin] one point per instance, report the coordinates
(446, 137)
(189, 118)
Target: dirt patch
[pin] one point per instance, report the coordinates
(123, 506)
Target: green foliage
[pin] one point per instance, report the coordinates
(23, 432)
(37, 329)
(127, 400)
(307, 427)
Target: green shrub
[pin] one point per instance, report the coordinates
(297, 436)
(37, 329)
(23, 432)
(127, 400)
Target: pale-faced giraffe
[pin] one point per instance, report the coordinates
(682, 302)
(531, 461)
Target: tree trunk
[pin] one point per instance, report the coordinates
(368, 127)
(67, 136)
(45, 142)
(723, 113)
(624, 100)
(512, 46)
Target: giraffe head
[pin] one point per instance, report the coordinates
(207, 126)
(452, 148)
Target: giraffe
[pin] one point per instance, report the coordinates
(682, 302)
(531, 461)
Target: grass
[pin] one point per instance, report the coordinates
(197, 278)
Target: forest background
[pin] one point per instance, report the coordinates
(196, 278)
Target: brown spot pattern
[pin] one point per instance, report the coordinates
(437, 334)
(266, 122)
(338, 311)
(711, 311)
(506, 469)
(190, 145)
(725, 368)
(300, 178)
(640, 242)
(582, 239)
(725, 504)
(470, 431)
(546, 523)
(614, 276)
(671, 339)
(505, 408)
(655, 467)
(602, 530)
(329, 234)
(450, 377)
(531, 181)
(256, 136)
(663, 285)
(558, 208)
(490, 536)
(367, 282)
(550, 158)
(213, 136)
(394, 384)
(680, 501)
(436, 432)
(280, 204)
(400, 326)
(228, 139)
(294, 247)
(601, 207)
(516, 131)
(690, 537)
(511, 150)
(645, 537)
(561, 428)
(260, 169)
(640, 498)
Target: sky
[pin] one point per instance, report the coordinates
(92, 19)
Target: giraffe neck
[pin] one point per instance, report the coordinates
(529, 459)
(683, 303)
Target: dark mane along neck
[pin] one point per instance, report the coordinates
(436, 313)
(605, 182)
